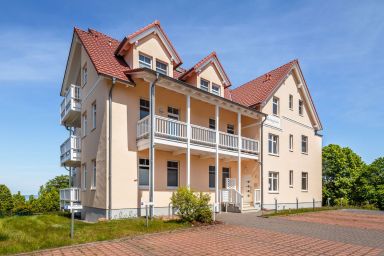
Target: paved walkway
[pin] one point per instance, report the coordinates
(247, 234)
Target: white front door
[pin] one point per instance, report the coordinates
(246, 188)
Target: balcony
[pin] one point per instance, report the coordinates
(70, 152)
(176, 131)
(70, 195)
(70, 108)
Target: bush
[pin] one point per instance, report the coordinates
(341, 202)
(6, 202)
(192, 206)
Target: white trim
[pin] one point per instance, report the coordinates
(214, 60)
(155, 29)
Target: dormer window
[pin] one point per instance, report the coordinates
(204, 85)
(216, 89)
(161, 67)
(145, 61)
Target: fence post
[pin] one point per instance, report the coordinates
(313, 204)
(275, 205)
(329, 202)
(213, 212)
(341, 202)
(297, 203)
(146, 215)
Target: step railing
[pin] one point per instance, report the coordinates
(257, 196)
(203, 135)
(232, 196)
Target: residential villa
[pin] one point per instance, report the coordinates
(141, 125)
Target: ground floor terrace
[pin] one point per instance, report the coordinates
(343, 232)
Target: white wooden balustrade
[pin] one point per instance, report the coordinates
(172, 129)
(71, 104)
(70, 194)
(70, 151)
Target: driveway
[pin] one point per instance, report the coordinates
(320, 233)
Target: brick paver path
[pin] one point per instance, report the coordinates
(245, 234)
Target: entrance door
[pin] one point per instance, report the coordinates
(246, 188)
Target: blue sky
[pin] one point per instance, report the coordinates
(339, 45)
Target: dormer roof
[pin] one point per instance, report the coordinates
(211, 58)
(155, 28)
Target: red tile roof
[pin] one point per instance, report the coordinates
(259, 89)
(201, 62)
(101, 50)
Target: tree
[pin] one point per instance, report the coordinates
(20, 205)
(49, 194)
(374, 182)
(6, 202)
(341, 168)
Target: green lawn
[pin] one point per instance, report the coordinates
(29, 233)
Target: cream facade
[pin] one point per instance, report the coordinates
(196, 135)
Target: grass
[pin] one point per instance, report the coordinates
(29, 233)
(297, 211)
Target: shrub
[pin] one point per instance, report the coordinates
(6, 202)
(192, 206)
(341, 202)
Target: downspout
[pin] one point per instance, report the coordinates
(262, 163)
(110, 149)
(69, 169)
(151, 144)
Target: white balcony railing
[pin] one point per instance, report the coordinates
(71, 103)
(70, 151)
(176, 130)
(70, 194)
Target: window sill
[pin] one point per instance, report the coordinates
(212, 189)
(172, 188)
(143, 187)
(93, 188)
(271, 154)
(304, 153)
(273, 192)
(291, 186)
(291, 150)
(93, 129)
(304, 190)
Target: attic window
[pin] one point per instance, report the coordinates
(145, 61)
(216, 89)
(161, 67)
(204, 85)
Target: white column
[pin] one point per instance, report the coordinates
(188, 154)
(152, 124)
(239, 152)
(217, 159)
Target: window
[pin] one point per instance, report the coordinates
(143, 172)
(225, 175)
(94, 115)
(304, 144)
(85, 74)
(173, 113)
(172, 174)
(85, 124)
(212, 124)
(273, 144)
(212, 170)
(291, 178)
(216, 89)
(161, 67)
(144, 108)
(273, 182)
(300, 107)
(290, 142)
(304, 181)
(145, 61)
(290, 102)
(204, 85)
(230, 129)
(93, 186)
(84, 177)
(275, 106)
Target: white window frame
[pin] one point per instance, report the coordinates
(85, 124)
(201, 85)
(273, 177)
(273, 144)
(291, 178)
(178, 174)
(304, 139)
(216, 89)
(94, 108)
(290, 102)
(143, 107)
(276, 102)
(93, 185)
(144, 165)
(301, 108)
(84, 177)
(160, 70)
(290, 142)
(172, 114)
(143, 63)
(85, 74)
(306, 175)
